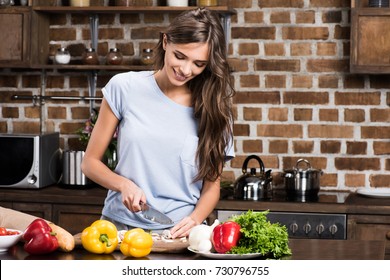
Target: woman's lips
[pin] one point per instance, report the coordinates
(179, 77)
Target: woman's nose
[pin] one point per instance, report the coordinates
(186, 69)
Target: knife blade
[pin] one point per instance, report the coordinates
(154, 215)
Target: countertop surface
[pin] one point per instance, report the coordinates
(302, 249)
(331, 202)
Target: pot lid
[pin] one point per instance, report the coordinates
(306, 168)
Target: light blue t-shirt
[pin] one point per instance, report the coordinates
(157, 142)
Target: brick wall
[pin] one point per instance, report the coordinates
(295, 95)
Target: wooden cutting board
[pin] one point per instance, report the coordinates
(159, 246)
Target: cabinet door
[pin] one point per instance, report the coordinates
(370, 41)
(370, 227)
(14, 36)
(24, 37)
(40, 210)
(75, 218)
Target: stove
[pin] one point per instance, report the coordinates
(305, 225)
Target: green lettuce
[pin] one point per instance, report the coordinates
(259, 235)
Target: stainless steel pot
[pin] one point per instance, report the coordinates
(302, 181)
(71, 168)
(253, 186)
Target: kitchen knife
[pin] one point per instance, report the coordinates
(154, 215)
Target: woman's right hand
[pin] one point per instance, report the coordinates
(132, 196)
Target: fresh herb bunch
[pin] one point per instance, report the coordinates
(259, 235)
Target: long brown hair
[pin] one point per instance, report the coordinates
(211, 90)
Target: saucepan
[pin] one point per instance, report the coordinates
(302, 180)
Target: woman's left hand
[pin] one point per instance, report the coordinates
(183, 228)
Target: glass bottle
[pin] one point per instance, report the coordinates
(62, 56)
(90, 57)
(147, 57)
(114, 57)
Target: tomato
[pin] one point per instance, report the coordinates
(3, 231)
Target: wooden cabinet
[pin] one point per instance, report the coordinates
(370, 38)
(24, 37)
(76, 217)
(370, 227)
(71, 208)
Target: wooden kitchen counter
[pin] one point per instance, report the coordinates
(302, 249)
(95, 195)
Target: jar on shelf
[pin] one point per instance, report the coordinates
(90, 57)
(114, 57)
(62, 56)
(205, 3)
(147, 57)
(79, 3)
(177, 3)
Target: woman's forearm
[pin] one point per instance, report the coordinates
(207, 202)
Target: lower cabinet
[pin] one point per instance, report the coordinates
(72, 209)
(41, 210)
(370, 227)
(74, 218)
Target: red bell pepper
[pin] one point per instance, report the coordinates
(39, 237)
(225, 236)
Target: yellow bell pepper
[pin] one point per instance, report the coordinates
(136, 243)
(101, 237)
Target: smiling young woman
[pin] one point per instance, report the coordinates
(174, 129)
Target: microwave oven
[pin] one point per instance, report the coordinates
(29, 160)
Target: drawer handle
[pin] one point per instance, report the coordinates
(388, 235)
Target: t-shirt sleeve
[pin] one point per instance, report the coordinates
(113, 93)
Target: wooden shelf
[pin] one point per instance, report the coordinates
(99, 67)
(124, 10)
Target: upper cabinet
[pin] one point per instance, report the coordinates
(370, 38)
(24, 37)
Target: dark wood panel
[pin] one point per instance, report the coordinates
(14, 36)
(36, 209)
(75, 217)
(24, 37)
(370, 227)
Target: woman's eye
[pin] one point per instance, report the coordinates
(200, 65)
(178, 56)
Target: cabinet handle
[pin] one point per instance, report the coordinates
(388, 235)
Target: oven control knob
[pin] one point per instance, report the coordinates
(294, 228)
(32, 179)
(307, 228)
(333, 229)
(320, 228)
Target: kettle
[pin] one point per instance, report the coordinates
(253, 186)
